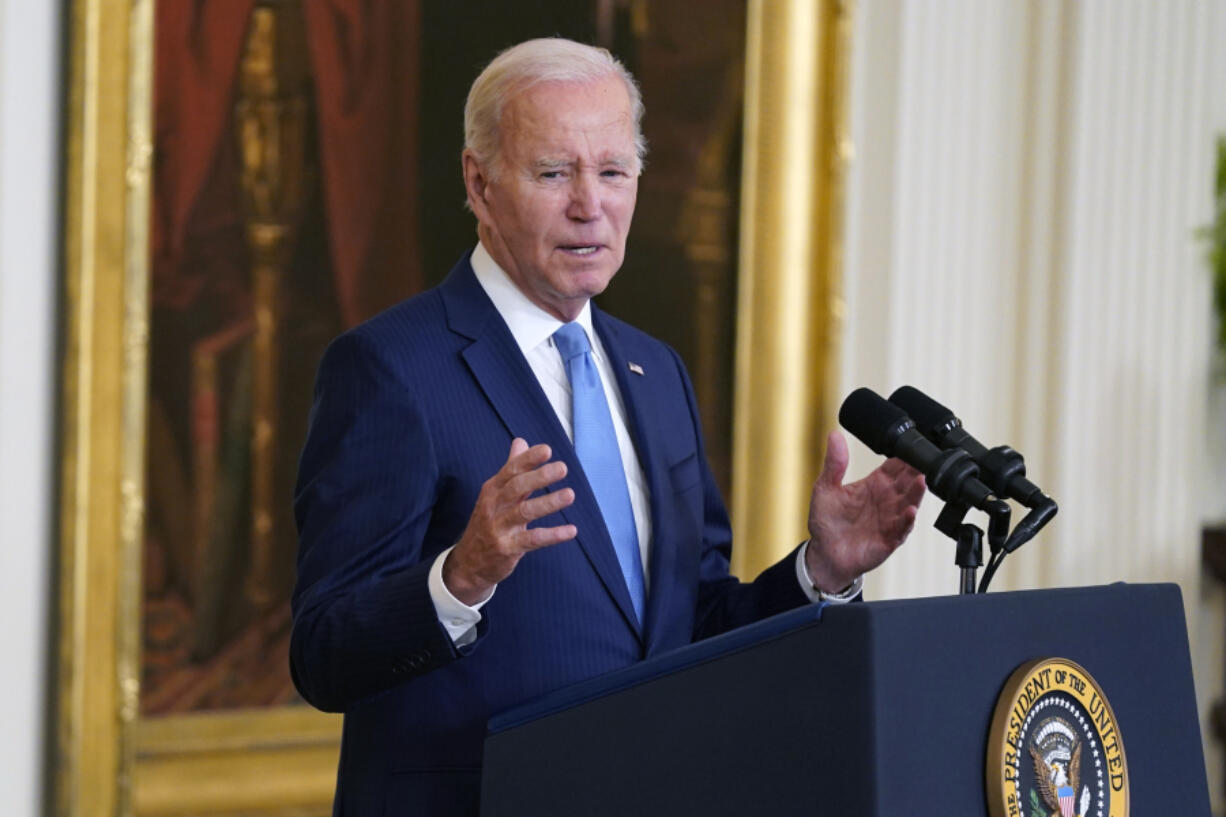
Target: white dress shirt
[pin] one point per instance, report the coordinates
(533, 328)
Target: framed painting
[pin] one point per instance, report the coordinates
(244, 181)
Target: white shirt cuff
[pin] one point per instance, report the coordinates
(458, 619)
(815, 595)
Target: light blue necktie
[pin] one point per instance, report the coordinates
(596, 445)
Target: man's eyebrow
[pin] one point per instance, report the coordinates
(553, 163)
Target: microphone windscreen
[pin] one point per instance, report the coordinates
(872, 420)
(927, 413)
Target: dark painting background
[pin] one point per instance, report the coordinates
(306, 176)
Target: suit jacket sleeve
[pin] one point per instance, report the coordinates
(367, 482)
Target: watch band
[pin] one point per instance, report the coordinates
(848, 593)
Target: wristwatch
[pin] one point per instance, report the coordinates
(848, 593)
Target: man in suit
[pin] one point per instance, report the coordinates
(503, 489)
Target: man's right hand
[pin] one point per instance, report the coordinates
(498, 535)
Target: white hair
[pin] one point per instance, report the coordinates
(549, 59)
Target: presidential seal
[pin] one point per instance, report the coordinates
(1054, 749)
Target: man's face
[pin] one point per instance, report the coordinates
(556, 211)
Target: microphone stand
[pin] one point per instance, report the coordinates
(968, 555)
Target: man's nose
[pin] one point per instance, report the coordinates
(585, 202)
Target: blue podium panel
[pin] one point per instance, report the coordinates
(867, 709)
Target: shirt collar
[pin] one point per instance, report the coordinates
(529, 324)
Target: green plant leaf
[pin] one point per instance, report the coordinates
(1214, 235)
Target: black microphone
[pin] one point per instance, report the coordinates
(885, 428)
(1002, 468)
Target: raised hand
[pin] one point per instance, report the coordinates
(497, 535)
(853, 528)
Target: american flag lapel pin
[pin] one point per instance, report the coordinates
(636, 368)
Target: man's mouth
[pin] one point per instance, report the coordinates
(581, 249)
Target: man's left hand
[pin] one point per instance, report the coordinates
(853, 528)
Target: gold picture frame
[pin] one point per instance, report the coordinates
(107, 760)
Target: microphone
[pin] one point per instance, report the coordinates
(885, 428)
(1001, 468)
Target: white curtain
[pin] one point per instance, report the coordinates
(1022, 207)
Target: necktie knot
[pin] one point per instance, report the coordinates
(571, 341)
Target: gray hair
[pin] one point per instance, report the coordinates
(550, 59)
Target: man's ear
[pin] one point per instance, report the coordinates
(476, 182)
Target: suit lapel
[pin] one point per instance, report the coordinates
(637, 395)
(509, 384)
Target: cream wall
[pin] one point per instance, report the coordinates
(1021, 207)
(29, 101)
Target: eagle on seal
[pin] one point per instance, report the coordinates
(1057, 768)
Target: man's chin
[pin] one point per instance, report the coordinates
(574, 276)
(588, 284)
(568, 301)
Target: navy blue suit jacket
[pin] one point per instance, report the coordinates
(413, 411)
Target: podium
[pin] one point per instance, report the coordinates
(859, 710)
